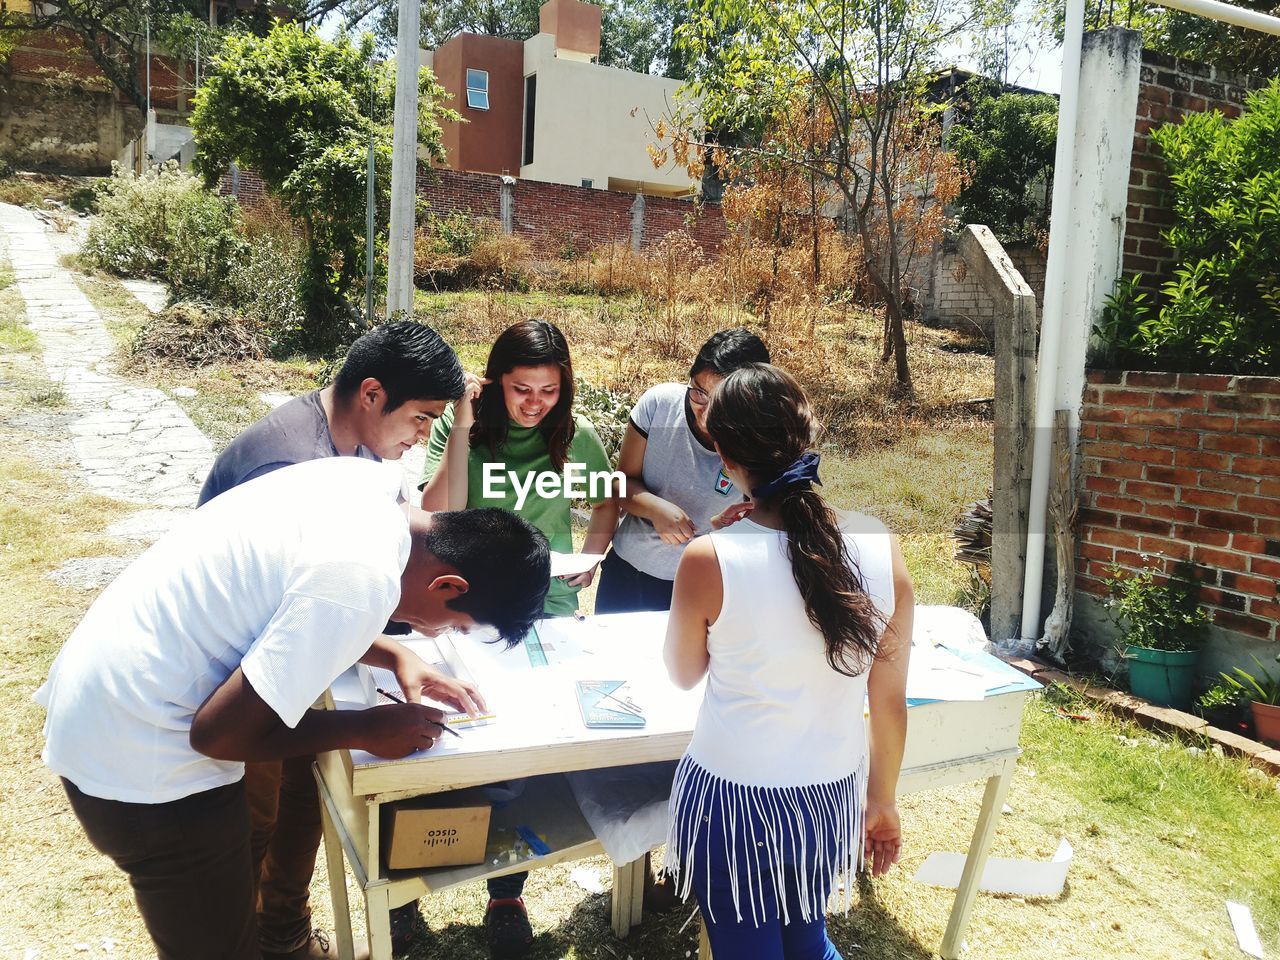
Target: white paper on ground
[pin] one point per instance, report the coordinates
(572, 564)
(1024, 878)
(1246, 932)
(587, 879)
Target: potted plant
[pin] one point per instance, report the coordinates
(1263, 693)
(1161, 629)
(1223, 706)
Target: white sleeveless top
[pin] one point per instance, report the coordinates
(775, 713)
(780, 733)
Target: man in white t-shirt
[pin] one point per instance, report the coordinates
(210, 648)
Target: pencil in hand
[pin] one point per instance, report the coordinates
(443, 726)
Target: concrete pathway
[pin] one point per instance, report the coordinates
(132, 443)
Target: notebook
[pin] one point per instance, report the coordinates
(608, 703)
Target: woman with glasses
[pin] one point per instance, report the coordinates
(676, 487)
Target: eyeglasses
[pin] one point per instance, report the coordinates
(698, 396)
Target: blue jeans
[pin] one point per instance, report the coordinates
(761, 934)
(624, 589)
(773, 939)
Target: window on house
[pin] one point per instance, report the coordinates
(530, 102)
(478, 89)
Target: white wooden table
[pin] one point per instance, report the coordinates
(539, 737)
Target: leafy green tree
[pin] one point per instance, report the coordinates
(1220, 311)
(864, 66)
(634, 34)
(1244, 53)
(301, 112)
(114, 32)
(1007, 141)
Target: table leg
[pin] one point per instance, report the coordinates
(704, 942)
(378, 909)
(337, 888)
(976, 861)
(639, 870)
(620, 909)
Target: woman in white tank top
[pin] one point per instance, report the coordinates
(797, 617)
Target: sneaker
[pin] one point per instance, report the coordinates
(507, 929)
(318, 947)
(406, 925)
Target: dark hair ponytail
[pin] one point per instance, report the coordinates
(761, 420)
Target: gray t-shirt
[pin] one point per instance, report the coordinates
(677, 467)
(293, 432)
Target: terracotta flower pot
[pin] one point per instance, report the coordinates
(1266, 722)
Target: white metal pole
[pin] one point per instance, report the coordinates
(404, 163)
(1226, 13)
(1059, 232)
(1051, 324)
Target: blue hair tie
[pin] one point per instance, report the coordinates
(802, 473)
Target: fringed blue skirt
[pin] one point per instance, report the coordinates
(768, 838)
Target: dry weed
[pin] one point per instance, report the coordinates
(194, 335)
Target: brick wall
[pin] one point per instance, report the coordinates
(1169, 88)
(551, 216)
(555, 217)
(1185, 467)
(953, 297)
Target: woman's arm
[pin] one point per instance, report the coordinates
(604, 521)
(447, 488)
(887, 695)
(672, 523)
(695, 605)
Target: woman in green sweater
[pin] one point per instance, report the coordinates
(519, 421)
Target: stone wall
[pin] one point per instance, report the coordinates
(59, 113)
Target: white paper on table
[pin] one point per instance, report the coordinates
(1246, 932)
(1023, 878)
(935, 674)
(572, 564)
(958, 629)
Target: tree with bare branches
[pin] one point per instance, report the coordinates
(863, 65)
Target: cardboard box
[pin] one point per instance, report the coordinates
(441, 830)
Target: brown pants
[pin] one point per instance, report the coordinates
(189, 864)
(284, 809)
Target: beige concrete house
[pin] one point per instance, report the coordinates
(542, 109)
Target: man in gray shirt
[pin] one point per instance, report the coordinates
(396, 380)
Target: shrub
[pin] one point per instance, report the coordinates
(609, 412)
(6, 167)
(1219, 310)
(165, 224)
(459, 251)
(455, 234)
(1159, 614)
(83, 200)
